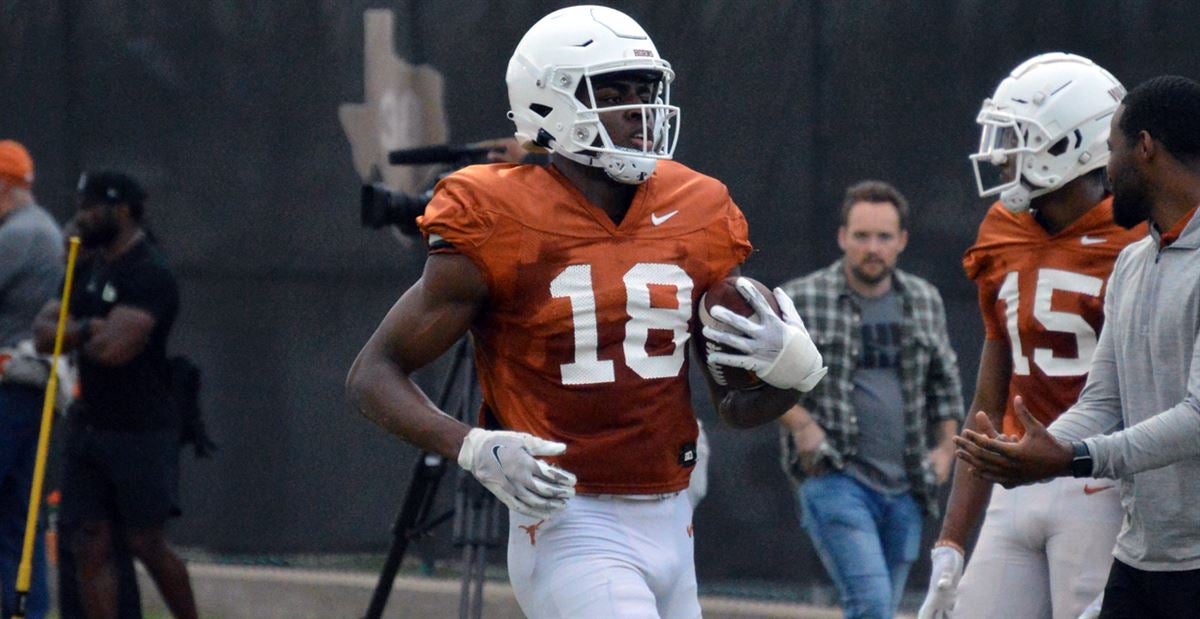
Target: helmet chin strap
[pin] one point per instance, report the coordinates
(1020, 198)
(629, 169)
(1016, 199)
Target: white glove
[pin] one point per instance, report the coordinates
(943, 583)
(1093, 609)
(507, 464)
(778, 350)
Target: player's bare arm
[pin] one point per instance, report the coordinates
(969, 494)
(747, 409)
(427, 320)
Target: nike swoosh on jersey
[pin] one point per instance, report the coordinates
(1089, 490)
(1091, 240)
(658, 221)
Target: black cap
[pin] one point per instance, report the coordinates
(108, 187)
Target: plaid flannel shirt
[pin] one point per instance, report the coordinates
(928, 369)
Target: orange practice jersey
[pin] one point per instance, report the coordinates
(1044, 297)
(584, 337)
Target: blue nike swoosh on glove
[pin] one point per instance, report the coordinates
(496, 454)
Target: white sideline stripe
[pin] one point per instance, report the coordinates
(493, 590)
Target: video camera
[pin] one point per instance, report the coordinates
(383, 207)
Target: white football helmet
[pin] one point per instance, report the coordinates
(1046, 125)
(569, 47)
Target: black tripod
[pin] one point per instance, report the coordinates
(475, 512)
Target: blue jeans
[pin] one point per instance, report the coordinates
(20, 420)
(866, 540)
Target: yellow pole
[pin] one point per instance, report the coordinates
(25, 571)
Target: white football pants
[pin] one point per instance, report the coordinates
(604, 557)
(1045, 550)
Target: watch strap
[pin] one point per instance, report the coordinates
(1081, 462)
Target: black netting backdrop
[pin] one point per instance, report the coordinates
(228, 112)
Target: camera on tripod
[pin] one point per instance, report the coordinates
(383, 207)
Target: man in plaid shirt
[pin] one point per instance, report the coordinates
(892, 375)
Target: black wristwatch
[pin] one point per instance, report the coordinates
(1081, 463)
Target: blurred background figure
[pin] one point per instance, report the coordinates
(856, 445)
(31, 256)
(70, 606)
(122, 441)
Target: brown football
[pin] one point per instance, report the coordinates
(725, 294)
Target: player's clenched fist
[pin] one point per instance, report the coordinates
(507, 464)
(943, 583)
(777, 348)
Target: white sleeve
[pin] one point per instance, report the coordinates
(1163, 439)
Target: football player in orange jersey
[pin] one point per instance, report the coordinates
(1041, 261)
(577, 283)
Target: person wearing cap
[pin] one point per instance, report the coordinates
(70, 605)
(122, 439)
(30, 271)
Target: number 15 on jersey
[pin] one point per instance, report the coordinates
(1050, 320)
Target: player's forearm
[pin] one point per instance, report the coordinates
(747, 409)
(969, 496)
(388, 397)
